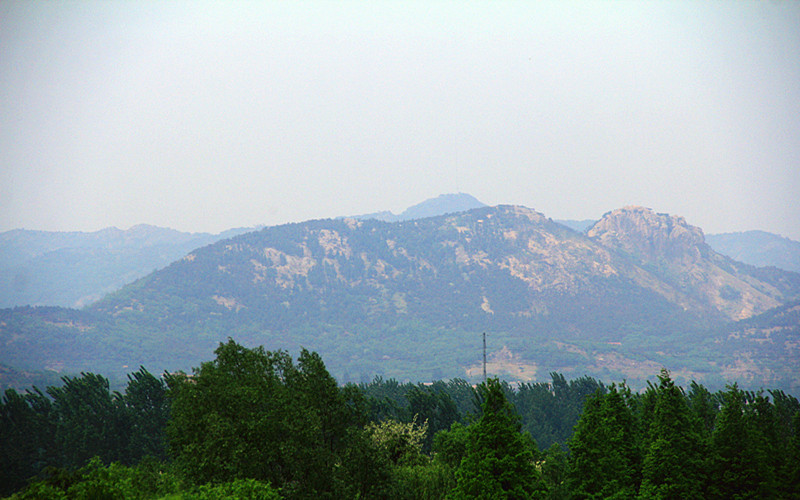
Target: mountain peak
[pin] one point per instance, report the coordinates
(650, 235)
(442, 204)
(432, 207)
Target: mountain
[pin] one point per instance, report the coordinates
(758, 248)
(410, 300)
(441, 205)
(764, 349)
(74, 268)
(580, 226)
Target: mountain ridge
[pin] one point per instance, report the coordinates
(74, 269)
(441, 205)
(367, 293)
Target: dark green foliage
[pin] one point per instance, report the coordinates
(550, 411)
(240, 489)
(605, 457)
(499, 461)
(432, 404)
(255, 424)
(27, 429)
(790, 469)
(366, 471)
(554, 472)
(149, 479)
(227, 418)
(450, 446)
(740, 449)
(674, 459)
(253, 414)
(88, 424)
(704, 407)
(80, 420)
(430, 481)
(145, 412)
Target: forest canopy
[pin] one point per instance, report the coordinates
(258, 424)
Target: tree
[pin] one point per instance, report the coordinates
(499, 460)
(433, 406)
(450, 446)
(739, 459)
(605, 459)
(27, 429)
(674, 465)
(402, 443)
(554, 472)
(230, 418)
(88, 421)
(146, 411)
(253, 414)
(790, 472)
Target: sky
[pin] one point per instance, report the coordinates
(204, 116)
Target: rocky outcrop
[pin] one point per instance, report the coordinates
(650, 236)
(676, 253)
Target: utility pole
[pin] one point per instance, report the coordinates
(484, 356)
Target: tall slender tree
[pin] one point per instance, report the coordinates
(605, 459)
(499, 460)
(674, 464)
(739, 456)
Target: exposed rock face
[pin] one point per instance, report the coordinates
(377, 297)
(650, 236)
(678, 255)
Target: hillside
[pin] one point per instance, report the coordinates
(73, 269)
(410, 299)
(758, 248)
(441, 205)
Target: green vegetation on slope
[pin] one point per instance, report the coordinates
(256, 424)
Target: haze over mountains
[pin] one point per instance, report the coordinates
(74, 269)
(409, 299)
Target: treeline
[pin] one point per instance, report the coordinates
(258, 424)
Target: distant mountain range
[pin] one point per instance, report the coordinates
(441, 205)
(75, 269)
(637, 291)
(758, 248)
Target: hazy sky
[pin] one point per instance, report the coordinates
(206, 116)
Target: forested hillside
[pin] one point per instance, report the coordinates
(258, 424)
(410, 300)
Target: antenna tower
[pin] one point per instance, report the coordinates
(484, 356)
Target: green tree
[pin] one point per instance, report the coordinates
(231, 417)
(253, 414)
(146, 411)
(88, 421)
(450, 446)
(673, 465)
(365, 471)
(499, 460)
(27, 429)
(739, 455)
(605, 459)
(434, 406)
(401, 442)
(554, 472)
(704, 406)
(790, 472)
